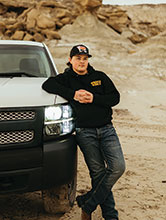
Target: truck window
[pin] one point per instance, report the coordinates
(24, 61)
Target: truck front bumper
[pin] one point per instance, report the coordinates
(58, 166)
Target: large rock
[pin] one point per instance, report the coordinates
(28, 37)
(38, 37)
(45, 22)
(32, 19)
(66, 20)
(2, 27)
(61, 13)
(137, 38)
(16, 26)
(89, 5)
(51, 34)
(114, 17)
(18, 35)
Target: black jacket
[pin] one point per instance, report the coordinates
(95, 114)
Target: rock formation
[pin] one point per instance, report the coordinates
(38, 20)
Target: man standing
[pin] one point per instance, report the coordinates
(92, 95)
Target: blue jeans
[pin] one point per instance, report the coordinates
(104, 157)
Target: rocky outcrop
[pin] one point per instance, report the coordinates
(38, 19)
(138, 23)
(33, 21)
(146, 21)
(114, 17)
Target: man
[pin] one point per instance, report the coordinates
(92, 95)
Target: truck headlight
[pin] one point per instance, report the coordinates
(58, 120)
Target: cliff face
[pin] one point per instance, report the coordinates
(39, 20)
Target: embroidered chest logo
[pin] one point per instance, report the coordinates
(96, 83)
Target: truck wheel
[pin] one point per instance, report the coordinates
(60, 199)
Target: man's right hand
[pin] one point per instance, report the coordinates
(83, 96)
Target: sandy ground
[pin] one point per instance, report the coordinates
(139, 74)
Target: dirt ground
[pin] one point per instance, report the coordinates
(139, 74)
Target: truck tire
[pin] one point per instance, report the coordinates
(60, 199)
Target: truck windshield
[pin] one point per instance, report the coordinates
(24, 61)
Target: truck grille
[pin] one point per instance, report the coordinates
(21, 127)
(14, 116)
(14, 137)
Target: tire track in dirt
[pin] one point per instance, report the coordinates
(129, 126)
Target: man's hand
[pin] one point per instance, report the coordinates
(83, 96)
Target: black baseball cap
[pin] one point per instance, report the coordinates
(79, 49)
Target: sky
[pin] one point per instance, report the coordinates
(133, 2)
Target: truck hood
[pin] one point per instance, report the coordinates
(24, 91)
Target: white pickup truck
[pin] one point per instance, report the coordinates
(37, 146)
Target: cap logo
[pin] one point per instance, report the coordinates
(82, 49)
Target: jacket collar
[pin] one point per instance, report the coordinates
(73, 73)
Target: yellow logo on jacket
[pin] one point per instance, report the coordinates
(96, 83)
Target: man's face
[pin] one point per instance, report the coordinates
(79, 63)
